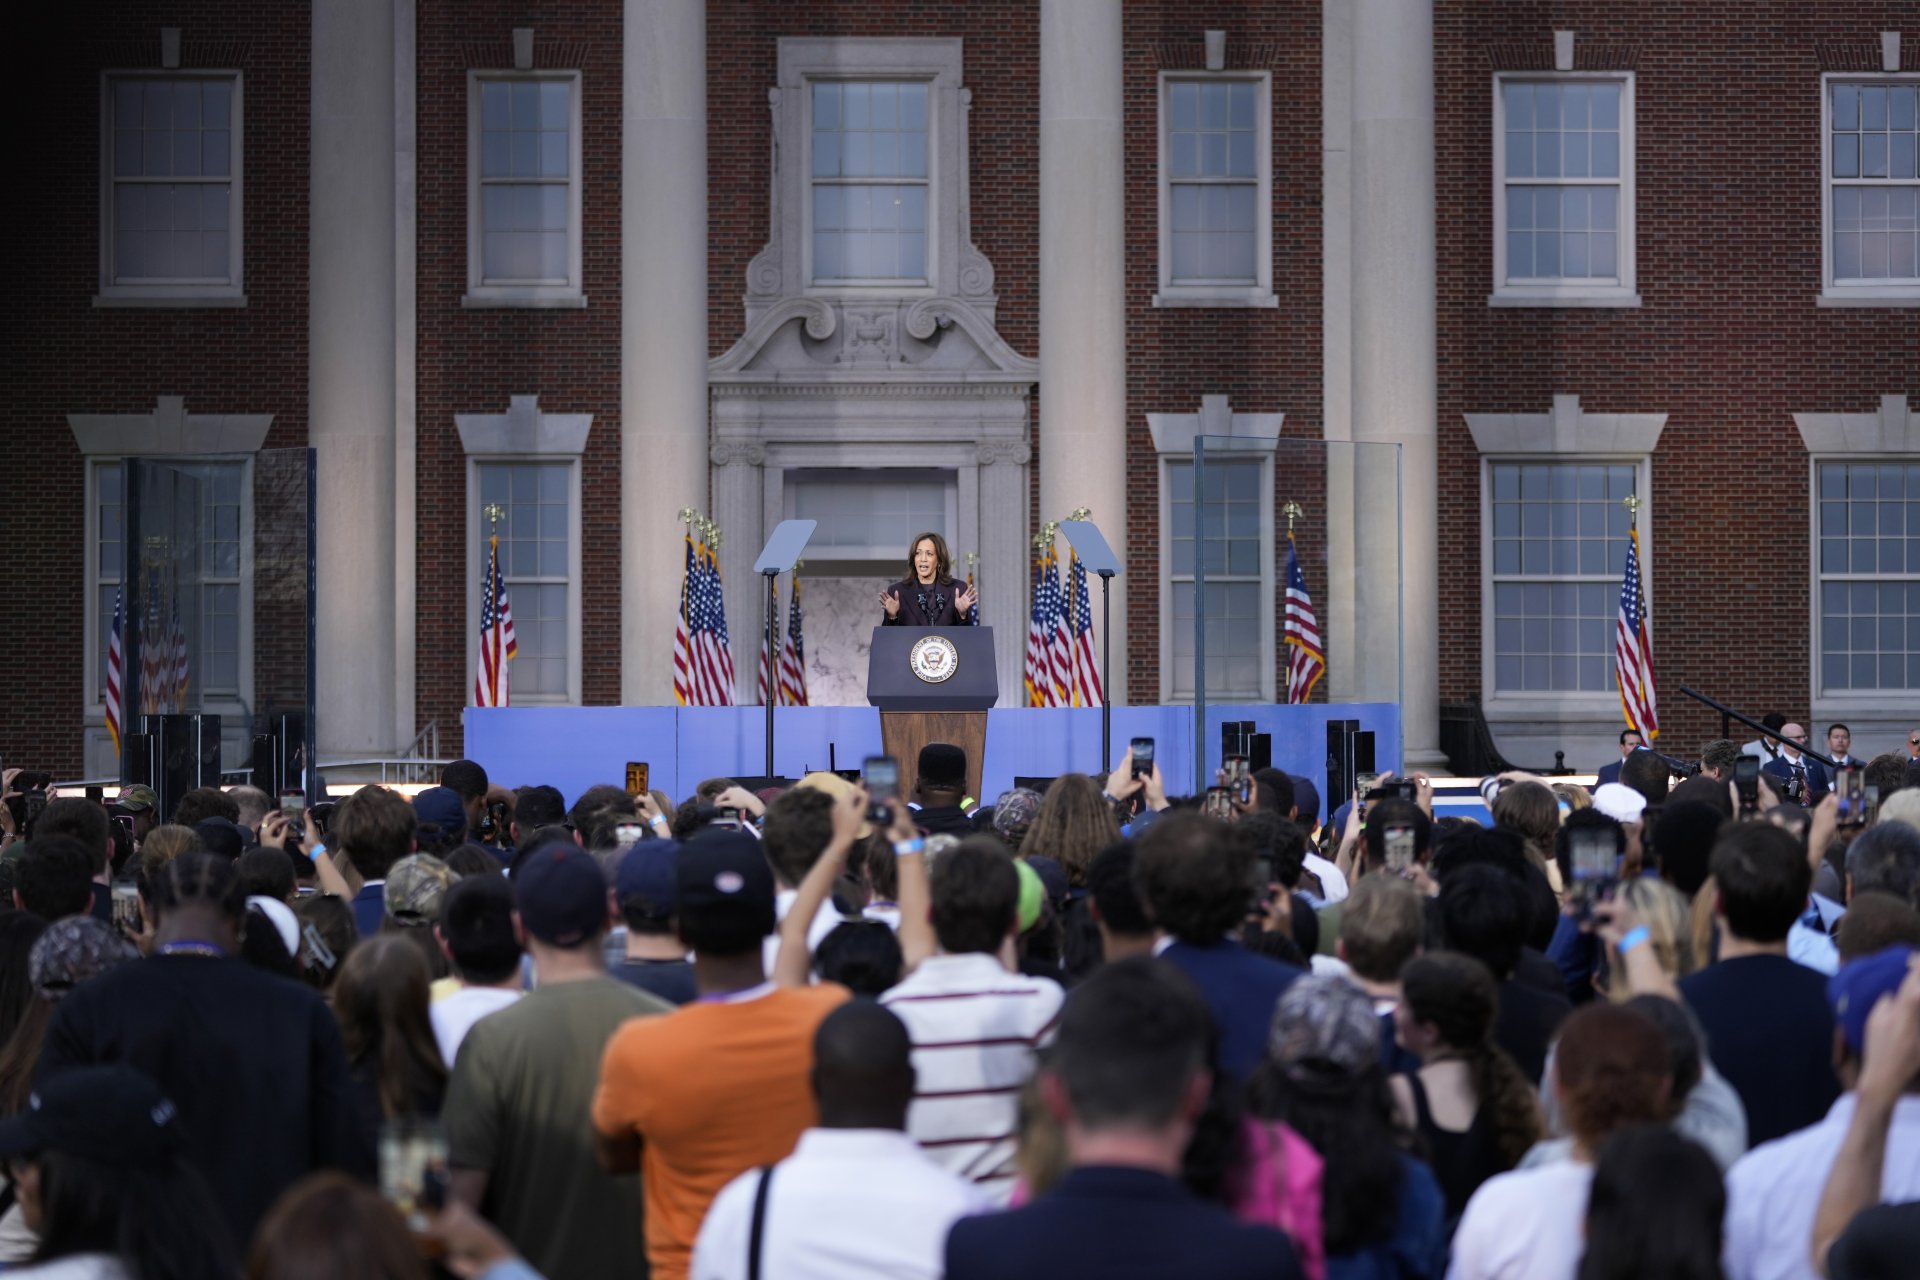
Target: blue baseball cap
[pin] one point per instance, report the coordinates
(561, 894)
(647, 873)
(442, 809)
(1858, 987)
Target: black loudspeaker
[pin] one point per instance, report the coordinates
(184, 753)
(136, 759)
(1259, 751)
(1341, 764)
(1034, 784)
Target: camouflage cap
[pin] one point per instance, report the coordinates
(415, 888)
(138, 798)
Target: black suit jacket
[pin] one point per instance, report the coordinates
(925, 606)
(1117, 1224)
(1610, 772)
(1778, 771)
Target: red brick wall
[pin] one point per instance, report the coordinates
(471, 361)
(1728, 342)
(1264, 361)
(63, 355)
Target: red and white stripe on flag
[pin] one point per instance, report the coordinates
(116, 658)
(1633, 649)
(1306, 658)
(497, 642)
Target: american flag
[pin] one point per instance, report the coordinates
(1059, 645)
(497, 643)
(711, 658)
(176, 660)
(1306, 660)
(1086, 667)
(1633, 649)
(114, 661)
(769, 676)
(1039, 664)
(154, 657)
(682, 640)
(793, 659)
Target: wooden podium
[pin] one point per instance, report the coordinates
(916, 710)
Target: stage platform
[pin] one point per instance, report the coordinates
(573, 748)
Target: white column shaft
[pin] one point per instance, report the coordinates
(1083, 385)
(1395, 392)
(352, 385)
(663, 329)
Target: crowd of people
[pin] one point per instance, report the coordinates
(1666, 1027)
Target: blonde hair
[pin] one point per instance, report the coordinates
(1576, 796)
(165, 843)
(1668, 918)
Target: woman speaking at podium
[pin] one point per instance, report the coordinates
(928, 596)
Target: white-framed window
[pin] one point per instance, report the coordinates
(538, 498)
(170, 189)
(1867, 590)
(1556, 547)
(214, 596)
(523, 189)
(1216, 190)
(1870, 161)
(1231, 530)
(875, 514)
(1563, 190)
(870, 179)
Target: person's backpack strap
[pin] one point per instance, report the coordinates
(757, 1231)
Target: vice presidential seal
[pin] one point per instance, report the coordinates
(933, 659)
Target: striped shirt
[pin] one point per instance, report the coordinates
(975, 1029)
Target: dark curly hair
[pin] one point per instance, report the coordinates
(1191, 871)
(1457, 995)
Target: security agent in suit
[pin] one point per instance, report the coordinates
(1792, 773)
(1127, 1080)
(1630, 741)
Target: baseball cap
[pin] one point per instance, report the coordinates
(138, 798)
(1033, 896)
(72, 950)
(1306, 799)
(647, 873)
(722, 875)
(109, 1114)
(832, 784)
(561, 894)
(1325, 1021)
(416, 886)
(441, 809)
(1620, 802)
(281, 917)
(539, 807)
(1858, 987)
(218, 835)
(1014, 812)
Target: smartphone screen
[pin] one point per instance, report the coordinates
(881, 774)
(1142, 749)
(1852, 802)
(1746, 781)
(126, 908)
(636, 778)
(1399, 848)
(1219, 802)
(1594, 855)
(413, 1168)
(1260, 874)
(294, 805)
(1240, 778)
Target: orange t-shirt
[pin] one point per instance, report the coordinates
(713, 1090)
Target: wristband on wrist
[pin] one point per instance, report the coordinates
(657, 820)
(901, 848)
(1634, 937)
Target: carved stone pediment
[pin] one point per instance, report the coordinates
(885, 339)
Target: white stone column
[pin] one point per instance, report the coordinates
(1344, 669)
(663, 326)
(1395, 392)
(352, 389)
(1083, 384)
(739, 508)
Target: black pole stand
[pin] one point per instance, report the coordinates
(1106, 668)
(772, 694)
